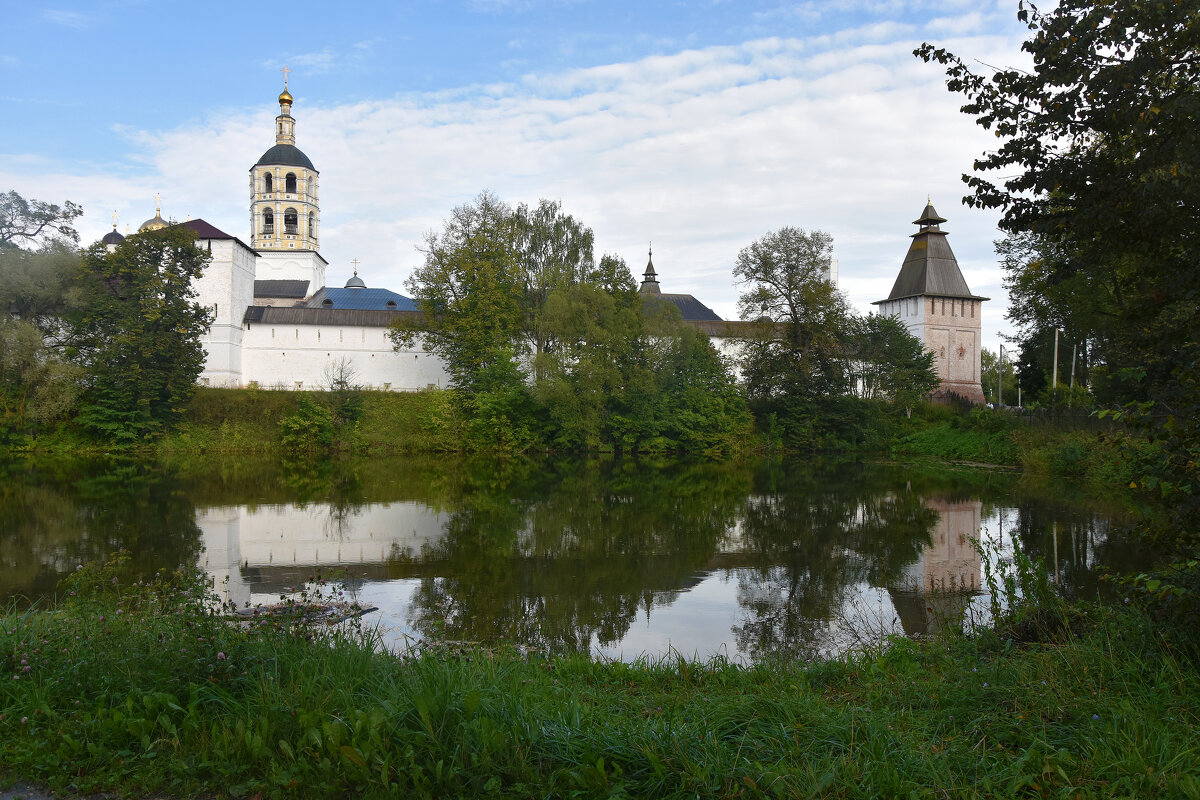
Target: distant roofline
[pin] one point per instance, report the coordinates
(206, 230)
(931, 294)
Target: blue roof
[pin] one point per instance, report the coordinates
(361, 299)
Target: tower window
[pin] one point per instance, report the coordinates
(289, 183)
(268, 221)
(312, 224)
(268, 183)
(291, 221)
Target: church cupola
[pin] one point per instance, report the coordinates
(285, 212)
(285, 125)
(155, 223)
(112, 240)
(650, 278)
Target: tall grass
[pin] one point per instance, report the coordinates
(147, 688)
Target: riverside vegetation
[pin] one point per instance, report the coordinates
(148, 688)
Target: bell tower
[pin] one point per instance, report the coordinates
(285, 213)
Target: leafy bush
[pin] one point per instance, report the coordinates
(310, 428)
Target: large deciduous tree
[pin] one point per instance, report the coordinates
(134, 326)
(31, 224)
(37, 261)
(889, 363)
(1099, 158)
(798, 349)
(544, 343)
(470, 293)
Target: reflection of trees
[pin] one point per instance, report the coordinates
(551, 561)
(1071, 542)
(52, 523)
(810, 539)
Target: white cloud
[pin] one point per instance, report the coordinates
(68, 19)
(317, 63)
(702, 152)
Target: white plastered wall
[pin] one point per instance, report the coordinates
(303, 356)
(227, 288)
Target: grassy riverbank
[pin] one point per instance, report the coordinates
(277, 423)
(139, 689)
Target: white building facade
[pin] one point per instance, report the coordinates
(932, 299)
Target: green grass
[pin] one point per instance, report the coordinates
(139, 689)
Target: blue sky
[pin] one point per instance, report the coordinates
(700, 126)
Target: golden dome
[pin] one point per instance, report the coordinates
(285, 97)
(155, 223)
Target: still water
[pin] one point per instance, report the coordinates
(623, 558)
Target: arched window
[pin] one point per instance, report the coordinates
(291, 221)
(312, 224)
(289, 183)
(268, 183)
(268, 221)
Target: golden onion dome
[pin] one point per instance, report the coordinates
(285, 98)
(155, 223)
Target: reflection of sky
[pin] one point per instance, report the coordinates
(696, 624)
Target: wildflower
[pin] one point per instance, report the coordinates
(985, 684)
(24, 720)
(220, 656)
(26, 668)
(1095, 716)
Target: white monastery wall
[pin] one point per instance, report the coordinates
(226, 287)
(302, 357)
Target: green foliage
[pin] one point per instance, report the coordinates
(889, 362)
(28, 224)
(469, 294)
(134, 327)
(799, 348)
(547, 348)
(36, 388)
(281, 710)
(1102, 128)
(310, 429)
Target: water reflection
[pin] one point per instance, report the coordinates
(934, 592)
(772, 560)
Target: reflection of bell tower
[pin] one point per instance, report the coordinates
(934, 591)
(285, 214)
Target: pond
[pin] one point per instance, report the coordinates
(623, 558)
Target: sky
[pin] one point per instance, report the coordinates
(698, 126)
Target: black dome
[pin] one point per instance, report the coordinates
(285, 155)
(112, 237)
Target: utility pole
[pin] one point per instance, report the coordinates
(1054, 382)
(1000, 379)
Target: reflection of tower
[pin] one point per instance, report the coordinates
(935, 590)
